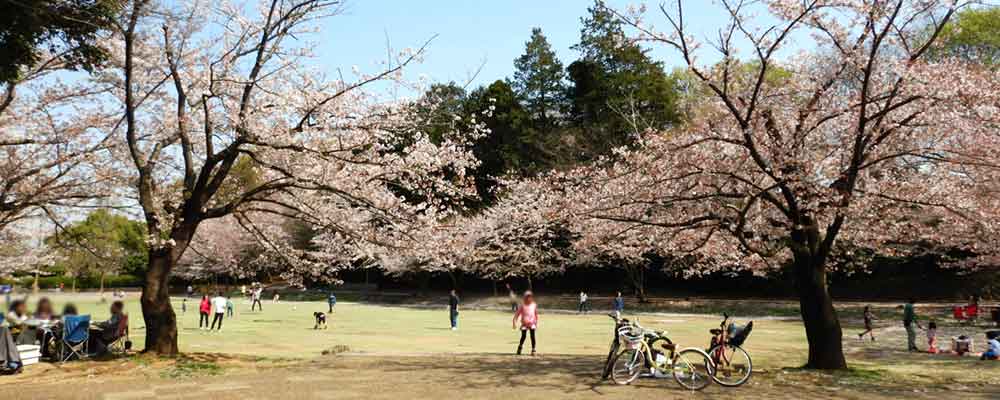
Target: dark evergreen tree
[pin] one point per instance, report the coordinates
(617, 89)
(539, 80)
(28, 28)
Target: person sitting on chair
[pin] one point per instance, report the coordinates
(16, 318)
(43, 310)
(109, 329)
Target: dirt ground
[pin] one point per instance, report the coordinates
(469, 376)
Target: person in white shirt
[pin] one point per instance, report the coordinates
(583, 307)
(255, 299)
(219, 308)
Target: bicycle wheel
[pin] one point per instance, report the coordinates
(693, 369)
(627, 366)
(732, 365)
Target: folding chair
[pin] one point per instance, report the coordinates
(121, 345)
(959, 314)
(972, 312)
(75, 335)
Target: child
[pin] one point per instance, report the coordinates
(230, 307)
(527, 313)
(184, 306)
(932, 338)
(320, 320)
(869, 330)
(993, 352)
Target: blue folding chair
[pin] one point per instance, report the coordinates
(75, 335)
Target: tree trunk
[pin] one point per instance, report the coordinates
(161, 322)
(530, 285)
(637, 278)
(102, 283)
(820, 318)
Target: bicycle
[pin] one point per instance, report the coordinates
(732, 363)
(615, 345)
(653, 351)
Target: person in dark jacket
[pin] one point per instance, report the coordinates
(109, 329)
(453, 309)
(618, 305)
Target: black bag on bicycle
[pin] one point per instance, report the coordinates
(738, 335)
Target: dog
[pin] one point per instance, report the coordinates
(320, 320)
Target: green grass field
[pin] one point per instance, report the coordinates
(285, 330)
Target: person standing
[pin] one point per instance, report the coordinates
(512, 297)
(219, 306)
(932, 337)
(190, 291)
(618, 305)
(909, 320)
(203, 309)
(184, 306)
(869, 329)
(527, 315)
(230, 307)
(255, 294)
(331, 300)
(453, 309)
(582, 307)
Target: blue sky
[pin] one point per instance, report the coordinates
(471, 33)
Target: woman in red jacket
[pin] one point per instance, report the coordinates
(204, 309)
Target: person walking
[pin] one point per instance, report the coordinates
(219, 306)
(909, 320)
(184, 306)
(190, 291)
(453, 309)
(583, 306)
(203, 309)
(331, 300)
(527, 315)
(869, 329)
(230, 307)
(618, 305)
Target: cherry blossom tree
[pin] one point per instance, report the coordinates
(861, 139)
(524, 235)
(17, 254)
(54, 156)
(203, 86)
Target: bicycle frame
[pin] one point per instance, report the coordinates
(645, 347)
(722, 338)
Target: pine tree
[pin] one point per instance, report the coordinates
(539, 80)
(617, 89)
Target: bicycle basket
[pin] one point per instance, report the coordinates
(631, 336)
(739, 335)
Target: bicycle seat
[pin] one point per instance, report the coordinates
(715, 331)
